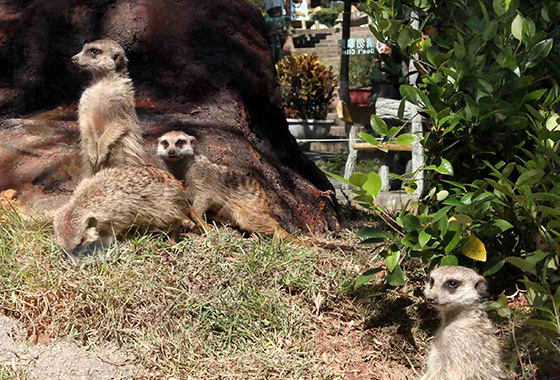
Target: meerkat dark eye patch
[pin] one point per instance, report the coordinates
(430, 282)
(94, 51)
(164, 143)
(452, 284)
(180, 143)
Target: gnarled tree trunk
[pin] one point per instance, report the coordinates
(204, 67)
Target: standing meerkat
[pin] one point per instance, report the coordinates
(227, 197)
(110, 134)
(114, 200)
(465, 347)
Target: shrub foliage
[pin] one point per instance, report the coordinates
(488, 91)
(307, 86)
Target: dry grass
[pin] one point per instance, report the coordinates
(215, 307)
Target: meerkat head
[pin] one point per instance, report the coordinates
(101, 57)
(175, 146)
(77, 233)
(451, 287)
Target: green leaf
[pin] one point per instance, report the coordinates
(411, 223)
(530, 177)
(557, 298)
(449, 260)
(393, 131)
(517, 27)
(373, 184)
(503, 225)
(366, 277)
(536, 287)
(500, 7)
(396, 277)
(402, 106)
(371, 232)
(368, 138)
(342, 179)
(358, 179)
(423, 237)
(539, 52)
(545, 325)
(490, 30)
(452, 243)
(407, 139)
(441, 195)
(409, 93)
(494, 268)
(536, 95)
(440, 214)
(445, 167)
(521, 264)
(392, 260)
(378, 125)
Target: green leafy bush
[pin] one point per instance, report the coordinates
(326, 16)
(307, 86)
(488, 90)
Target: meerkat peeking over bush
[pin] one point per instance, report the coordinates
(465, 347)
(110, 134)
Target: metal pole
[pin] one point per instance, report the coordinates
(345, 59)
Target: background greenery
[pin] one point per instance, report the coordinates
(489, 94)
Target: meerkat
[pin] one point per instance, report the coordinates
(111, 202)
(465, 347)
(109, 129)
(228, 197)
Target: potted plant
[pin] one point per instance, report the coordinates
(307, 90)
(359, 77)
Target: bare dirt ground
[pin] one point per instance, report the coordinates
(62, 360)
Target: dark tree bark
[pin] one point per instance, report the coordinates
(204, 67)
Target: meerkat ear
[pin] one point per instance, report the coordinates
(481, 287)
(192, 139)
(120, 61)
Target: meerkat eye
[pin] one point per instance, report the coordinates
(94, 51)
(431, 283)
(164, 144)
(180, 143)
(452, 284)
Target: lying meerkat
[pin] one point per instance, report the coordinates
(228, 197)
(114, 200)
(465, 347)
(106, 114)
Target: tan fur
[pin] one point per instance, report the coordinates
(227, 197)
(110, 134)
(465, 347)
(114, 200)
(222, 194)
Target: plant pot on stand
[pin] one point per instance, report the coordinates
(309, 129)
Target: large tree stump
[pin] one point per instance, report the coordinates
(204, 67)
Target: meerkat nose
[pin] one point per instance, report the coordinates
(431, 300)
(172, 152)
(75, 59)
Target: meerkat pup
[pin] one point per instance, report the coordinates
(110, 134)
(228, 197)
(465, 347)
(115, 200)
